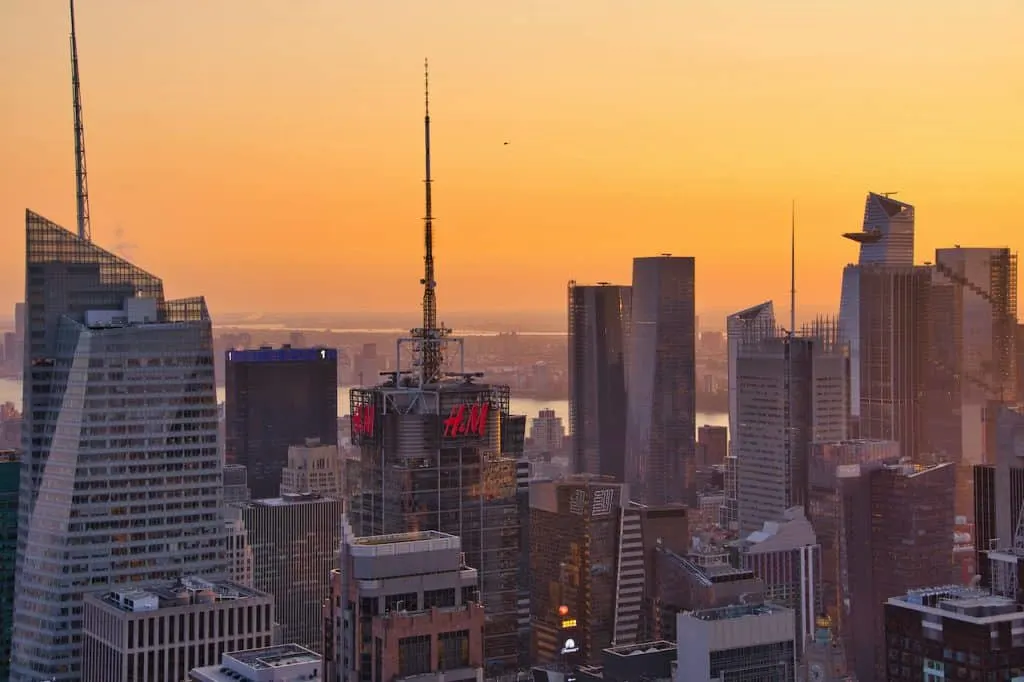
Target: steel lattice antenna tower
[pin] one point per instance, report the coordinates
(431, 334)
(81, 174)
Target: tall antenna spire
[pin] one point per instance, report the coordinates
(792, 267)
(431, 334)
(81, 174)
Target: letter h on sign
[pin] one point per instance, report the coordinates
(467, 420)
(362, 420)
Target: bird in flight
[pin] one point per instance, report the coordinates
(506, 143)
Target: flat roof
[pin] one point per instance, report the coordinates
(288, 500)
(396, 538)
(276, 657)
(968, 604)
(171, 592)
(641, 648)
(735, 611)
(282, 354)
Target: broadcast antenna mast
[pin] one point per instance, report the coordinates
(431, 335)
(84, 228)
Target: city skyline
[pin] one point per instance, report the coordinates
(590, 149)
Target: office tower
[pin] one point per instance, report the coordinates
(661, 528)
(409, 606)
(599, 317)
(886, 239)
(547, 432)
(283, 663)
(999, 491)
(791, 391)
(953, 632)
(276, 398)
(661, 370)
(824, 658)
(757, 639)
(367, 365)
(10, 472)
(824, 508)
(119, 393)
(238, 551)
(897, 533)
(314, 468)
(712, 445)
(586, 554)
(785, 554)
(523, 579)
(973, 354)
(894, 355)
(433, 445)
(294, 540)
(236, 484)
(162, 631)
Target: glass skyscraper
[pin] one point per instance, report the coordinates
(661, 373)
(121, 478)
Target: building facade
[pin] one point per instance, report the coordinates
(745, 642)
(791, 392)
(120, 430)
(276, 398)
(282, 663)
(10, 473)
(163, 631)
(294, 541)
(436, 458)
(587, 555)
(314, 468)
(599, 318)
(405, 605)
(661, 420)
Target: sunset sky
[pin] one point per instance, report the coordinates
(268, 153)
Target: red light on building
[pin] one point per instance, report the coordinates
(467, 420)
(362, 420)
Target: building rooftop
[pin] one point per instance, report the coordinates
(641, 648)
(735, 611)
(275, 657)
(289, 499)
(397, 538)
(182, 592)
(969, 604)
(9, 456)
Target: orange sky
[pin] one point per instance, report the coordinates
(268, 154)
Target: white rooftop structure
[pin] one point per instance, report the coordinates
(285, 663)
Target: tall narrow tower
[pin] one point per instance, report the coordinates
(81, 174)
(431, 335)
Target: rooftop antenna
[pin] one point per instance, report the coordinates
(430, 335)
(792, 267)
(82, 182)
(889, 194)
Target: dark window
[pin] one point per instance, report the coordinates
(454, 650)
(414, 655)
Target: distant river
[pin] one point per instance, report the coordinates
(10, 391)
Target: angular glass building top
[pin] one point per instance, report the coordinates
(121, 476)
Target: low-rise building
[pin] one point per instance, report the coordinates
(285, 663)
(163, 631)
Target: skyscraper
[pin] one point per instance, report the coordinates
(10, 468)
(598, 336)
(973, 320)
(434, 447)
(791, 391)
(886, 239)
(120, 434)
(276, 398)
(661, 422)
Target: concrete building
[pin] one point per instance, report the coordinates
(163, 631)
(953, 632)
(786, 556)
(791, 392)
(546, 432)
(661, 415)
(999, 489)
(236, 484)
(313, 468)
(712, 445)
(599, 318)
(653, 661)
(294, 541)
(119, 395)
(897, 536)
(405, 606)
(826, 510)
(602, 586)
(758, 639)
(284, 663)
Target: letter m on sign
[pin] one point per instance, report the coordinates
(477, 422)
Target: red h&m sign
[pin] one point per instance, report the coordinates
(362, 420)
(467, 420)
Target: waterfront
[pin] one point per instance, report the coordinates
(10, 391)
